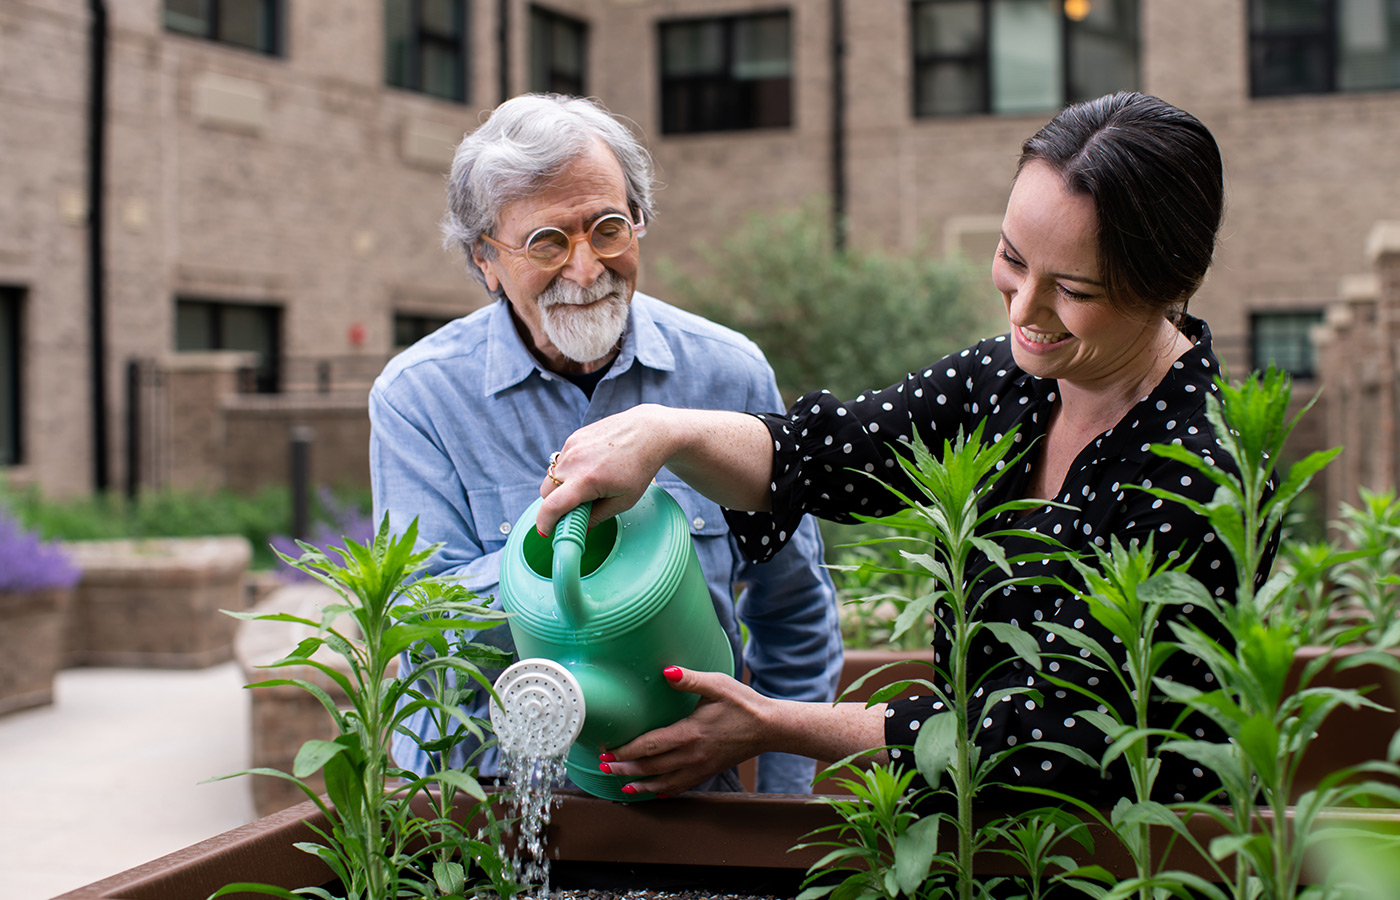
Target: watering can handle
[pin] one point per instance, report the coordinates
(569, 536)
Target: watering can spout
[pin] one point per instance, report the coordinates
(570, 536)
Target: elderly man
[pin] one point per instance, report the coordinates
(548, 199)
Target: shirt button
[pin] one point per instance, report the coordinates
(505, 528)
(697, 523)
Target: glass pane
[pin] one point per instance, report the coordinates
(948, 28)
(761, 48)
(397, 22)
(247, 23)
(541, 36)
(250, 328)
(568, 48)
(1285, 340)
(442, 71)
(1274, 15)
(1103, 50)
(194, 326)
(188, 16)
(439, 17)
(1289, 66)
(692, 48)
(1369, 45)
(1025, 57)
(949, 89)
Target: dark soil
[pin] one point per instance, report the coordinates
(619, 881)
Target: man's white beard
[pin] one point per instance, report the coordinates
(585, 335)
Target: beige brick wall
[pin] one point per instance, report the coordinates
(302, 181)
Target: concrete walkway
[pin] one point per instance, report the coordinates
(108, 777)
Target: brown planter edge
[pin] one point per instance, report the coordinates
(723, 831)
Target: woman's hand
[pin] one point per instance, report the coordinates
(727, 456)
(610, 462)
(728, 726)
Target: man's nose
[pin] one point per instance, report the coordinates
(583, 266)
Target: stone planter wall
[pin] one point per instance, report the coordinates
(156, 602)
(31, 646)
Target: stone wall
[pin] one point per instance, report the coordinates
(1356, 348)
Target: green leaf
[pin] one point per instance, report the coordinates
(914, 852)
(313, 755)
(1021, 642)
(935, 749)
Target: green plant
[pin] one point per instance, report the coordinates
(377, 846)
(257, 516)
(881, 842)
(1267, 726)
(938, 537)
(1370, 575)
(842, 321)
(881, 597)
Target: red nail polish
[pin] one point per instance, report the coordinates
(540, 533)
(672, 673)
(628, 789)
(605, 767)
(607, 757)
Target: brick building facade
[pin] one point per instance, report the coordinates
(277, 188)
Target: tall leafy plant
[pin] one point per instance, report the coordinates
(376, 845)
(1267, 723)
(939, 537)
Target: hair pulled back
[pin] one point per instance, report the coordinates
(1155, 176)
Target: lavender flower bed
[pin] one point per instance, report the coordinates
(28, 563)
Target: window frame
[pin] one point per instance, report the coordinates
(421, 324)
(740, 111)
(982, 59)
(1325, 38)
(268, 373)
(275, 10)
(12, 302)
(414, 41)
(543, 15)
(1313, 317)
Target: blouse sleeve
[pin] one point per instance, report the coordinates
(835, 459)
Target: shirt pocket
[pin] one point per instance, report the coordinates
(702, 514)
(495, 512)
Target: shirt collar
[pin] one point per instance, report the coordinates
(508, 362)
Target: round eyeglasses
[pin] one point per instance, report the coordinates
(551, 248)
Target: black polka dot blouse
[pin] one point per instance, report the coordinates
(820, 439)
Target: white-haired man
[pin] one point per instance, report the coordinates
(548, 200)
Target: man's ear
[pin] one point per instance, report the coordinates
(488, 269)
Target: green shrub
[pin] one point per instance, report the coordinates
(258, 516)
(840, 321)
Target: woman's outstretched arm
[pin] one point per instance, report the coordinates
(727, 456)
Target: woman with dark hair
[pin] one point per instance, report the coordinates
(1109, 229)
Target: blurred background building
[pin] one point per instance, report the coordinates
(220, 216)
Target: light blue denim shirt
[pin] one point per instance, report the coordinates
(463, 425)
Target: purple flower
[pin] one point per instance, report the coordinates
(340, 520)
(29, 564)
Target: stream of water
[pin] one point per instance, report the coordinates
(530, 778)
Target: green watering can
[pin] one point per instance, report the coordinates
(596, 615)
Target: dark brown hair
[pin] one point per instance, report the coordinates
(1155, 175)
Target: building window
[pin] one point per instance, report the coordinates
(1020, 56)
(726, 74)
(426, 47)
(1323, 46)
(1284, 339)
(254, 24)
(213, 325)
(410, 328)
(557, 47)
(10, 301)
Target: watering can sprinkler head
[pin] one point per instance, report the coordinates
(541, 709)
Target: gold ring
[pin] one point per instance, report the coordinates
(553, 458)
